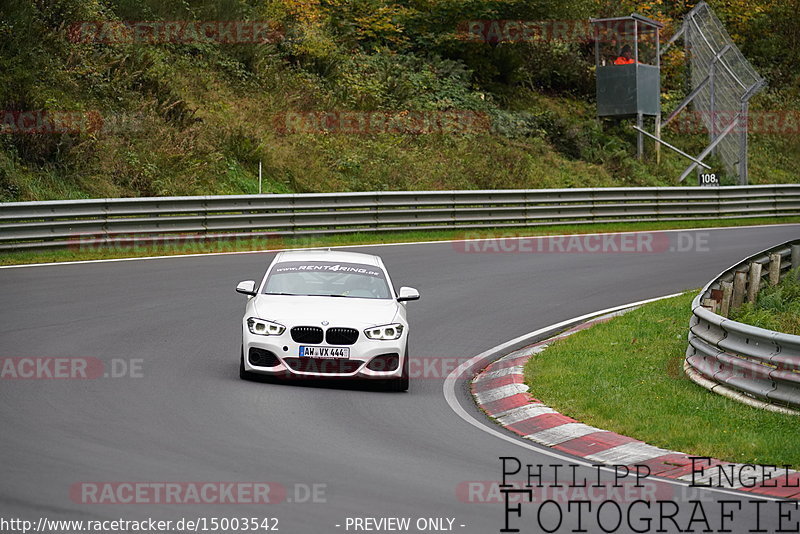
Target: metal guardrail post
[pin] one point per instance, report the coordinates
(293, 211)
(205, 216)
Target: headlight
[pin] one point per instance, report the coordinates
(387, 331)
(264, 328)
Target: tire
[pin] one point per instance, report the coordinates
(402, 383)
(244, 375)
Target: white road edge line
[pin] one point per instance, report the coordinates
(449, 390)
(110, 260)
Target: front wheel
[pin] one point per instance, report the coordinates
(402, 383)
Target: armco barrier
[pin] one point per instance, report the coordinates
(732, 356)
(50, 224)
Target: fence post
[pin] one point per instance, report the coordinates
(754, 283)
(727, 293)
(739, 284)
(774, 269)
(710, 304)
(796, 257)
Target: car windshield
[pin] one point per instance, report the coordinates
(330, 279)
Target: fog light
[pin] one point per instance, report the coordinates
(262, 358)
(384, 363)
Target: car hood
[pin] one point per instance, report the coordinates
(337, 311)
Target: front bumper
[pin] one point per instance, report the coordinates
(289, 364)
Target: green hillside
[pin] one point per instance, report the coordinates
(165, 118)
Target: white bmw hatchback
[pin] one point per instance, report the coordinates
(326, 314)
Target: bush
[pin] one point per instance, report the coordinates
(385, 80)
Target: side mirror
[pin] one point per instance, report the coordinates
(408, 293)
(248, 287)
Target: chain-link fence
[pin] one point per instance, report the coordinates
(724, 81)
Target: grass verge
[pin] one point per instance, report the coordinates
(626, 376)
(777, 308)
(90, 252)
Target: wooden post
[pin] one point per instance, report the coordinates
(739, 284)
(711, 304)
(727, 293)
(774, 269)
(796, 257)
(754, 282)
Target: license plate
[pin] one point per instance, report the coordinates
(325, 352)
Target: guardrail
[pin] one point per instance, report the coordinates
(728, 355)
(50, 224)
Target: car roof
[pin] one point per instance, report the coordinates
(329, 255)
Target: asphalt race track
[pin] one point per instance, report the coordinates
(185, 416)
